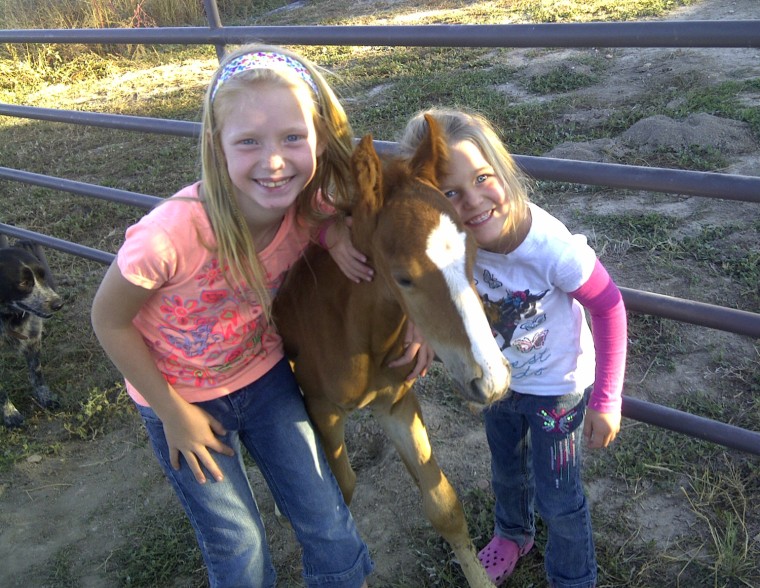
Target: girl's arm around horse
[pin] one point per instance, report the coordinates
(189, 430)
(335, 237)
(415, 348)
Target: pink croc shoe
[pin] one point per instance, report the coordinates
(500, 556)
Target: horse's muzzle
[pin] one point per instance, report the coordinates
(491, 386)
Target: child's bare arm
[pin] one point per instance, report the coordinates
(189, 430)
(335, 236)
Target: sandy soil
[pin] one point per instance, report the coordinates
(81, 501)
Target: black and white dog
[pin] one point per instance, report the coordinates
(27, 297)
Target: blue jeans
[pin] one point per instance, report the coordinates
(269, 419)
(535, 444)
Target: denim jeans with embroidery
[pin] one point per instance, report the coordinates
(535, 444)
(269, 419)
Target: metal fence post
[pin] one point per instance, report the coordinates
(214, 22)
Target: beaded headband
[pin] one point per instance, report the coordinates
(263, 60)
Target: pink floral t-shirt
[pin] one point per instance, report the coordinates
(205, 340)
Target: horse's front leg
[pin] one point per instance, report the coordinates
(329, 420)
(403, 423)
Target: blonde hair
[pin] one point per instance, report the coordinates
(462, 125)
(235, 247)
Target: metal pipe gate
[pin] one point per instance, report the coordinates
(707, 34)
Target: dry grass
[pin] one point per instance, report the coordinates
(381, 88)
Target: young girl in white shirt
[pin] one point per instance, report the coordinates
(535, 279)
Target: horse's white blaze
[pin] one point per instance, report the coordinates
(446, 249)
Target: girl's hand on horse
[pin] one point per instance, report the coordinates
(415, 347)
(351, 261)
(192, 432)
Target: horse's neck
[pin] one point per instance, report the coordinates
(387, 330)
(383, 318)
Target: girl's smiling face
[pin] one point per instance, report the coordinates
(270, 143)
(478, 196)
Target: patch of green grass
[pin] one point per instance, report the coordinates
(98, 412)
(745, 374)
(394, 84)
(630, 561)
(719, 498)
(718, 550)
(648, 453)
(736, 262)
(724, 99)
(631, 233)
(590, 10)
(435, 563)
(19, 444)
(381, 89)
(693, 157)
(63, 572)
(562, 78)
(159, 551)
(646, 231)
(739, 407)
(655, 340)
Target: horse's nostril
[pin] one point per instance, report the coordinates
(56, 305)
(474, 388)
(478, 393)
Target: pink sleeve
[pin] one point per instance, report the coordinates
(601, 297)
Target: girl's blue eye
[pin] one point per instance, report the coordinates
(450, 194)
(292, 138)
(481, 178)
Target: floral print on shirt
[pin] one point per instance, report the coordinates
(209, 330)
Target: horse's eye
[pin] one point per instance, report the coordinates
(403, 281)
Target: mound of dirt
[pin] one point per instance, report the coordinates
(80, 506)
(661, 132)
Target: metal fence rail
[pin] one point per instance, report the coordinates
(705, 34)
(611, 175)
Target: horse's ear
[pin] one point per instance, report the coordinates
(367, 171)
(432, 156)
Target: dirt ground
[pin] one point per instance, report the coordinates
(80, 501)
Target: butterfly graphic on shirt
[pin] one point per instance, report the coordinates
(505, 314)
(491, 280)
(537, 321)
(528, 343)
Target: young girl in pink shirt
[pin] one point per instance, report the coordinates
(535, 279)
(184, 314)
